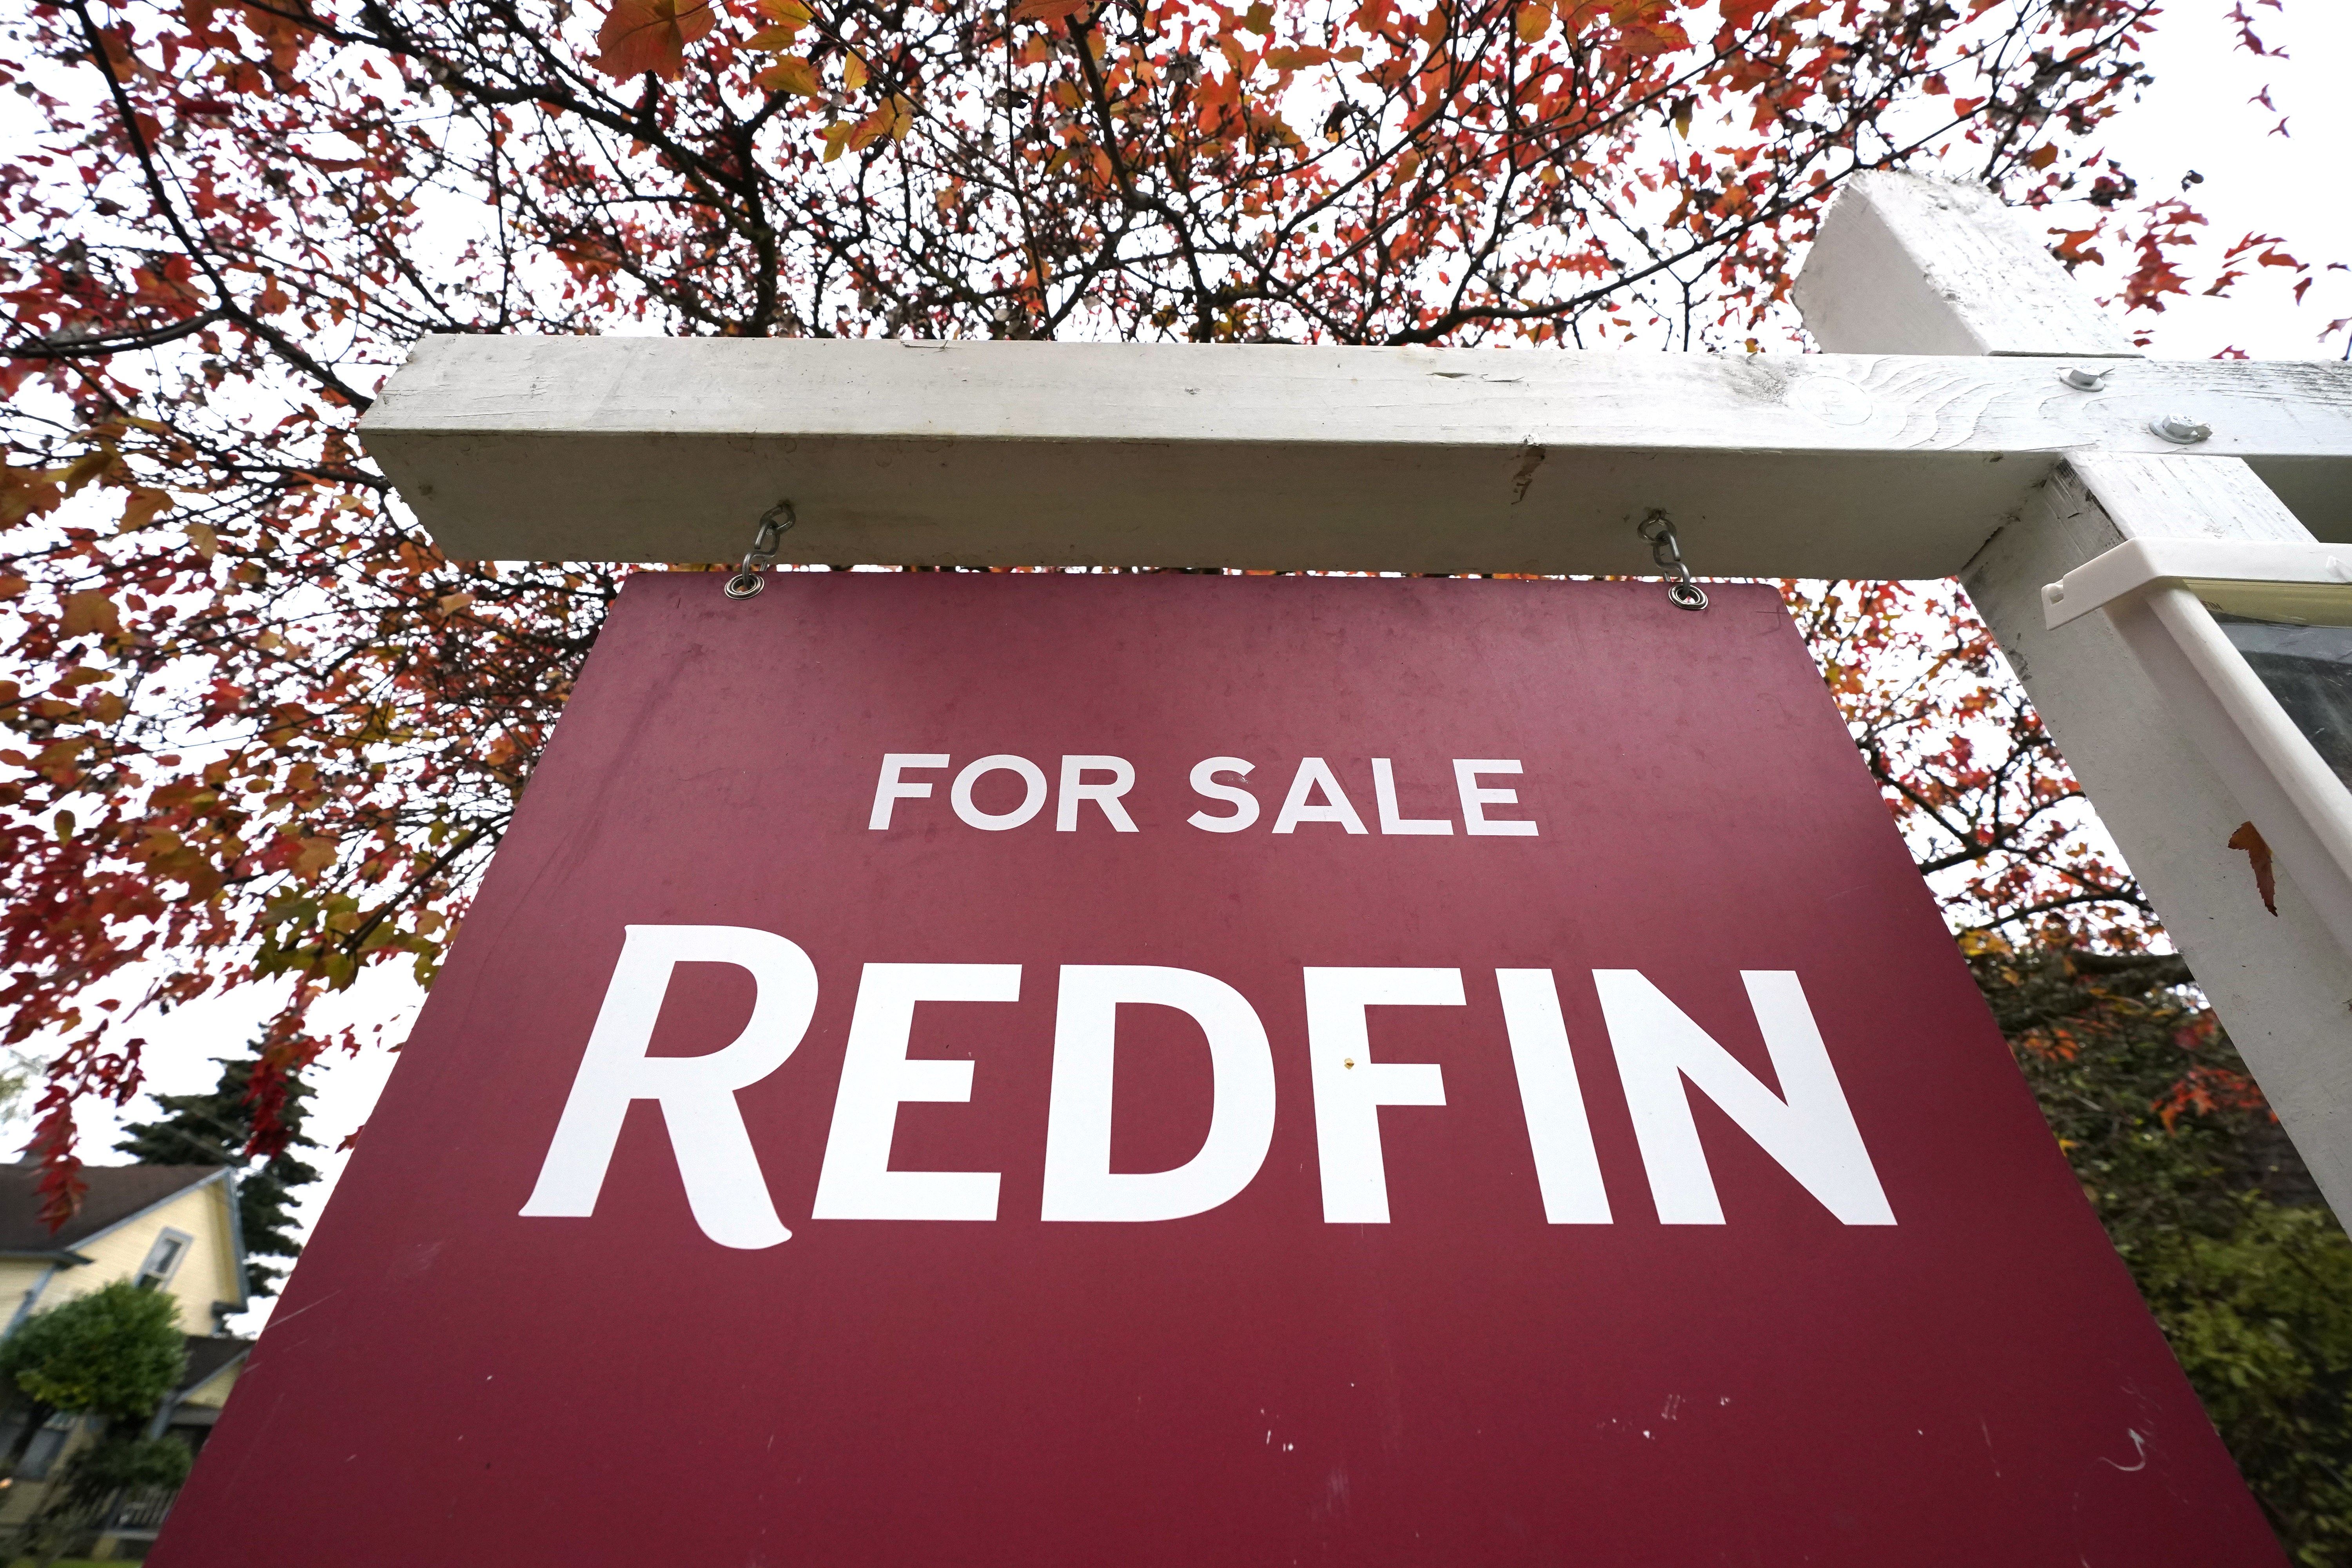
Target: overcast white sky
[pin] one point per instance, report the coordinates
(2198, 116)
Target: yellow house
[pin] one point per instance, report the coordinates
(173, 1228)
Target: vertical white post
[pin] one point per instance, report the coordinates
(1905, 265)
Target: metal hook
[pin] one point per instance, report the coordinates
(1657, 530)
(747, 582)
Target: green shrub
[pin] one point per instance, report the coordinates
(118, 1350)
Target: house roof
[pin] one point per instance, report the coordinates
(117, 1193)
(208, 1355)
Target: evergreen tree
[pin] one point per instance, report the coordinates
(216, 1129)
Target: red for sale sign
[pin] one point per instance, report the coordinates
(1103, 1072)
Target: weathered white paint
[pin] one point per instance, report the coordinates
(2281, 984)
(1930, 267)
(1184, 455)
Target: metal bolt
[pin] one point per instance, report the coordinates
(2181, 430)
(2082, 379)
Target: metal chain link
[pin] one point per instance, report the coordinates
(1657, 530)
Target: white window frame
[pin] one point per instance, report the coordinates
(157, 1271)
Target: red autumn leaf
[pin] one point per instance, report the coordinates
(642, 35)
(2203, 1091)
(2250, 839)
(61, 1186)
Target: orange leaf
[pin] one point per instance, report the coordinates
(2258, 853)
(316, 855)
(872, 129)
(28, 493)
(1051, 11)
(142, 507)
(1533, 21)
(641, 35)
(789, 17)
(853, 72)
(89, 611)
(90, 465)
(790, 75)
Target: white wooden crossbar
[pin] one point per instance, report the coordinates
(1281, 457)
(1942, 437)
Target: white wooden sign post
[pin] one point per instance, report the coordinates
(1976, 417)
(1906, 266)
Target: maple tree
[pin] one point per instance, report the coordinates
(265, 730)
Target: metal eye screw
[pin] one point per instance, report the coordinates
(747, 582)
(1657, 530)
